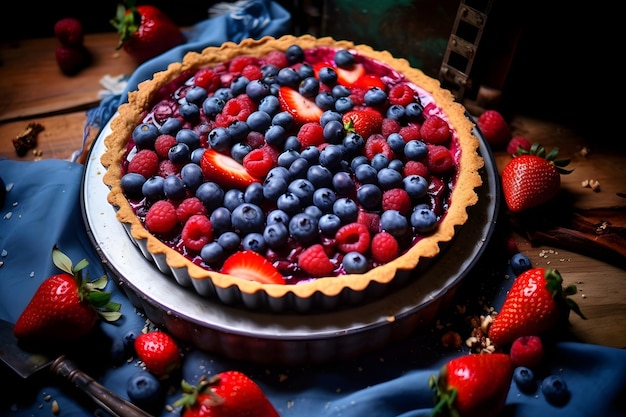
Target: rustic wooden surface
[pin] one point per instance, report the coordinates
(34, 90)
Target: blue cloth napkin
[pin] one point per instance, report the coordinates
(43, 209)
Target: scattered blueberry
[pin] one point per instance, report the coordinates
(520, 263)
(525, 380)
(144, 389)
(555, 390)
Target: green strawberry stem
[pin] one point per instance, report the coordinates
(92, 291)
(538, 150)
(555, 286)
(126, 24)
(444, 396)
(191, 392)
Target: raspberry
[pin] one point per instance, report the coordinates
(410, 132)
(238, 63)
(439, 158)
(315, 262)
(396, 199)
(197, 232)
(167, 168)
(390, 126)
(207, 79)
(161, 217)
(401, 94)
(494, 128)
(435, 130)
(385, 247)
(277, 58)
(72, 59)
(376, 144)
(353, 237)
(258, 162)
(311, 134)
(370, 220)
(238, 108)
(162, 145)
(527, 351)
(516, 143)
(69, 32)
(415, 168)
(145, 162)
(254, 139)
(189, 207)
(252, 72)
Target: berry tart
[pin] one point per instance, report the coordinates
(293, 173)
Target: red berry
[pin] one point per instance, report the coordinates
(161, 217)
(415, 168)
(258, 162)
(72, 59)
(435, 130)
(390, 126)
(527, 351)
(385, 247)
(145, 162)
(315, 262)
(311, 133)
(494, 128)
(397, 199)
(238, 63)
(69, 31)
(159, 353)
(439, 158)
(207, 79)
(353, 237)
(516, 143)
(401, 94)
(370, 220)
(188, 207)
(410, 132)
(277, 58)
(167, 168)
(252, 72)
(162, 145)
(238, 108)
(376, 144)
(197, 232)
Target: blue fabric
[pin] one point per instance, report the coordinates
(43, 209)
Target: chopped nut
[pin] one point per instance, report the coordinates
(27, 139)
(451, 339)
(55, 407)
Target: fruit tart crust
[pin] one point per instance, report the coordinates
(463, 195)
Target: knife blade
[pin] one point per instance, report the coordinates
(26, 362)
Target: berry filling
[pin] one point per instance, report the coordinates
(322, 161)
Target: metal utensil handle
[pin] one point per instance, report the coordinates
(108, 400)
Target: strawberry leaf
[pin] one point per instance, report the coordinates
(62, 261)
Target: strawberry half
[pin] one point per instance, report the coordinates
(224, 170)
(301, 108)
(252, 266)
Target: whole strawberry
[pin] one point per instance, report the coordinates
(532, 178)
(145, 31)
(65, 306)
(494, 128)
(536, 304)
(474, 385)
(228, 394)
(159, 352)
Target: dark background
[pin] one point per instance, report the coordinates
(563, 58)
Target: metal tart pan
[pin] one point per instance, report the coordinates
(285, 338)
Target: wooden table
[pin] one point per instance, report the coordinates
(34, 90)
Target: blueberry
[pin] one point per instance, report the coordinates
(358, 160)
(233, 198)
(144, 389)
(328, 76)
(274, 187)
(379, 161)
(329, 223)
(344, 58)
(259, 121)
(171, 126)
(415, 150)
(220, 220)
(144, 135)
(196, 95)
(275, 136)
(416, 186)
(289, 203)
(320, 176)
(174, 188)
(276, 235)
(287, 157)
(248, 218)
(397, 143)
(353, 144)
(131, 184)
(196, 155)
(313, 211)
(324, 198)
(212, 253)
(306, 70)
(369, 196)
(269, 70)
(257, 89)
(280, 172)
(375, 96)
(284, 119)
(413, 111)
(254, 194)
(238, 130)
(292, 143)
(302, 188)
(389, 178)
(223, 93)
(396, 112)
(213, 106)
(555, 390)
(189, 111)
(211, 195)
(238, 85)
(254, 242)
(325, 100)
(334, 132)
(394, 222)
(331, 156)
(294, 54)
(520, 263)
(288, 77)
(423, 219)
(230, 241)
(396, 164)
(346, 209)
(303, 228)
(117, 351)
(366, 174)
(220, 139)
(355, 263)
(340, 91)
(343, 104)
(277, 216)
(329, 115)
(152, 189)
(311, 154)
(239, 151)
(309, 87)
(343, 183)
(524, 378)
(271, 105)
(179, 153)
(192, 176)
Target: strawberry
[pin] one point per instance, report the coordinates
(227, 394)
(224, 170)
(69, 31)
(532, 179)
(66, 306)
(145, 31)
(159, 353)
(352, 75)
(474, 385)
(247, 264)
(494, 128)
(302, 109)
(365, 122)
(536, 304)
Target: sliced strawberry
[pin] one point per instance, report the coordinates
(368, 81)
(349, 77)
(252, 266)
(224, 170)
(301, 108)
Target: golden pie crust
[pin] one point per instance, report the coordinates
(140, 101)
